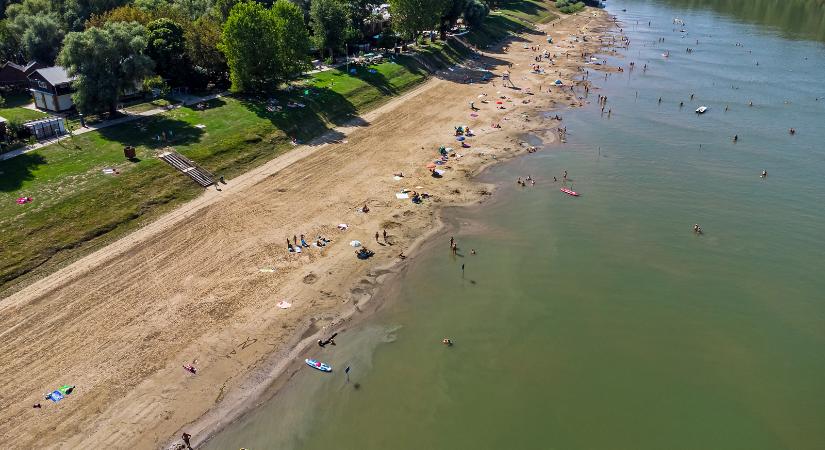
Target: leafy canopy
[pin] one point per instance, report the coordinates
(329, 20)
(107, 61)
(264, 47)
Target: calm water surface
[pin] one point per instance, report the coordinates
(602, 321)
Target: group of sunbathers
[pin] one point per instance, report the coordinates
(294, 247)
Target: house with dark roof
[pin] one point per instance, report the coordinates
(52, 89)
(12, 74)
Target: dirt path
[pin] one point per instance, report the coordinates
(121, 322)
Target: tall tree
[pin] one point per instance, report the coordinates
(37, 29)
(411, 17)
(10, 43)
(77, 12)
(293, 38)
(107, 62)
(202, 40)
(475, 11)
(264, 47)
(166, 46)
(329, 20)
(42, 38)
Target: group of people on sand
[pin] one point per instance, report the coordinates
(296, 247)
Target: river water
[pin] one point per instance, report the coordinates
(603, 321)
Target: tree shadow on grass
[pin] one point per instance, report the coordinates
(305, 113)
(153, 132)
(15, 171)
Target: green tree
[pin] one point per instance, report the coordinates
(166, 46)
(9, 43)
(411, 17)
(107, 62)
(151, 6)
(264, 47)
(42, 38)
(293, 38)
(329, 20)
(77, 12)
(475, 12)
(36, 29)
(202, 40)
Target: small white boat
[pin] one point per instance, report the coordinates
(701, 109)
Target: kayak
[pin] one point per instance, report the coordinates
(569, 191)
(318, 365)
(701, 109)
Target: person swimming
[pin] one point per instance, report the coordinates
(447, 341)
(764, 174)
(735, 137)
(697, 229)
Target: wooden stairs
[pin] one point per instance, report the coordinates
(185, 165)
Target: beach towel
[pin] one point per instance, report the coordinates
(283, 304)
(267, 270)
(396, 177)
(355, 243)
(402, 195)
(55, 396)
(439, 172)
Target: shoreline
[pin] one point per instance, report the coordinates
(283, 370)
(202, 296)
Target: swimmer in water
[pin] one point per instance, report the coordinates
(697, 229)
(764, 174)
(447, 342)
(792, 130)
(735, 137)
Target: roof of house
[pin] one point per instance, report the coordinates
(3, 119)
(55, 75)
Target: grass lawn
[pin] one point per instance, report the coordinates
(13, 108)
(143, 105)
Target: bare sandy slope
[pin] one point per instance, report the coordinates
(120, 323)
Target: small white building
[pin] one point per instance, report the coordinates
(52, 89)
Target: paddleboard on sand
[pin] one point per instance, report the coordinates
(569, 191)
(318, 365)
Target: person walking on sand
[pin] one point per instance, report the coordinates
(385, 237)
(186, 437)
(452, 241)
(377, 236)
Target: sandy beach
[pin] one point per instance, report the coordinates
(202, 284)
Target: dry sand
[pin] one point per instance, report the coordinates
(121, 322)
